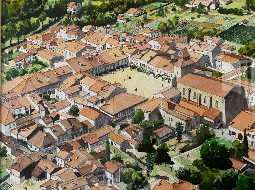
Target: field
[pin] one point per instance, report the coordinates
(136, 82)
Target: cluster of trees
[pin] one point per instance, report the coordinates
(234, 11)
(248, 50)
(35, 66)
(104, 12)
(203, 133)
(133, 176)
(239, 33)
(250, 4)
(170, 25)
(214, 170)
(23, 17)
(154, 156)
(180, 3)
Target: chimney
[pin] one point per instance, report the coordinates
(171, 105)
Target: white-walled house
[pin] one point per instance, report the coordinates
(7, 121)
(227, 62)
(112, 172)
(119, 141)
(243, 121)
(62, 157)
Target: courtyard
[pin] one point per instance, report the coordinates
(135, 82)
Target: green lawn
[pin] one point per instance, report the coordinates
(163, 169)
(186, 159)
(236, 4)
(125, 157)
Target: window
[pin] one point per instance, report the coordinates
(205, 99)
(183, 91)
(216, 104)
(194, 95)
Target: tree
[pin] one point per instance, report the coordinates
(245, 145)
(191, 175)
(56, 118)
(3, 152)
(108, 150)
(250, 72)
(150, 159)
(138, 116)
(117, 158)
(248, 50)
(74, 111)
(126, 175)
(12, 73)
(148, 140)
(35, 23)
(203, 133)
(215, 155)
(180, 3)
(227, 180)
(179, 131)
(200, 165)
(245, 183)
(138, 181)
(162, 156)
(250, 4)
(238, 149)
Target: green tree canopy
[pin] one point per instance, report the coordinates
(74, 111)
(179, 131)
(215, 155)
(203, 133)
(162, 156)
(138, 116)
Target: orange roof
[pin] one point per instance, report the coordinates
(182, 185)
(62, 154)
(47, 165)
(237, 164)
(244, 120)
(163, 131)
(112, 166)
(122, 102)
(90, 113)
(212, 113)
(193, 107)
(5, 115)
(47, 54)
(230, 58)
(251, 154)
(163, 63)
(117, 138)
(150, 105)
(206, 84)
